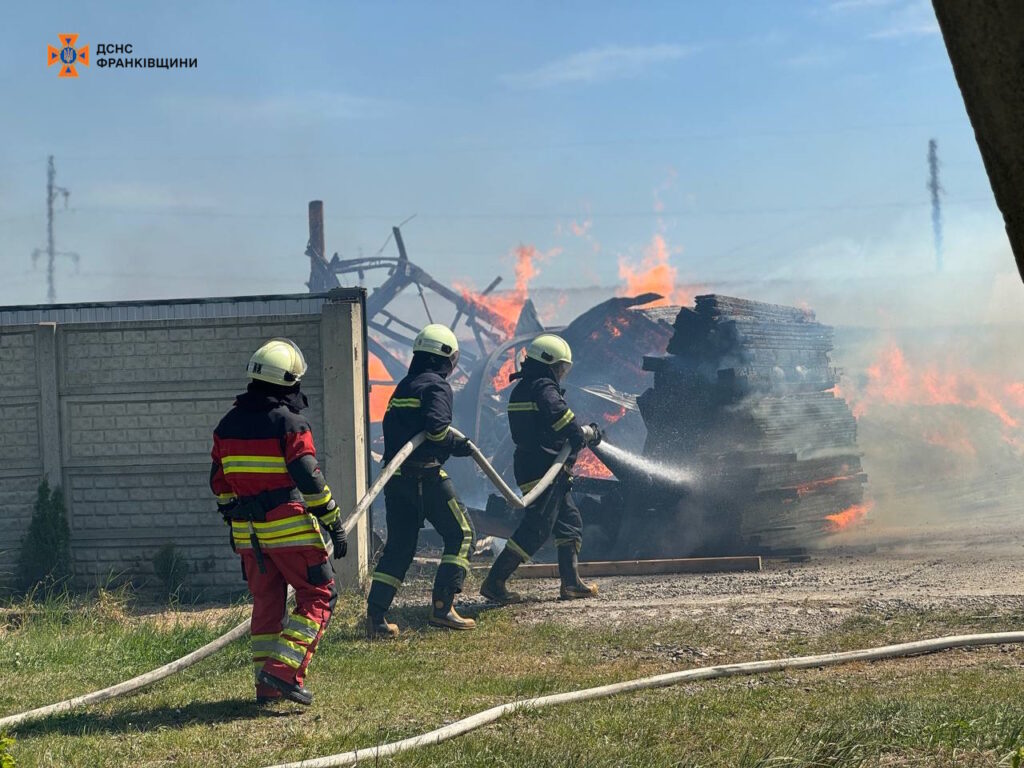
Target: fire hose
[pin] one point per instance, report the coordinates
(487, 716)
(239, 631)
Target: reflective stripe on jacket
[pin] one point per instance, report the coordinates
(422, 402)
(262, 449)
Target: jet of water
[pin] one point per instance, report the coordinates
(658, 473)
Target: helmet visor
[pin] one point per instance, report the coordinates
(561, 369)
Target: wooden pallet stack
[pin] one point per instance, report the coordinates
(745, 397)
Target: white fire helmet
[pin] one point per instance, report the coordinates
(278, 361)
(438, 340)
(553, 350)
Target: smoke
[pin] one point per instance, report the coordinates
(940, 422)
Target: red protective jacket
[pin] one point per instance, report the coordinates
(265, 462)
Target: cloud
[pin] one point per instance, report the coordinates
(815, 58)
(902, 18)
(856, 5)
(612, 62)
(309, 106)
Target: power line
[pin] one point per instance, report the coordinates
(540, 215)
(607, 141)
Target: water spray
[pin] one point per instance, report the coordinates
(629, 466)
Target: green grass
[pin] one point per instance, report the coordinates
(964, 708)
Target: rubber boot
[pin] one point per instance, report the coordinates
(379, 628)
(445, 616)
(291, 691)
(573, 587)
(493, 587)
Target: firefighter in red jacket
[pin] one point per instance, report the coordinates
(272, 494)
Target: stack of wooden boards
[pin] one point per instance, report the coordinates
(746, 399)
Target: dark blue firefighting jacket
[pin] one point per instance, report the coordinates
(422, 401)
(541, 421)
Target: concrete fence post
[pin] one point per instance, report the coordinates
(49, 403)
(344, 446)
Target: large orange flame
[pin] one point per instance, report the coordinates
(892, 380)
(852, 514)
(654, 274)
(508, 304)
(379, 393)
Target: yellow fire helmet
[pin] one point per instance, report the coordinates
(552, 350)
(438, 340)
(278, 361)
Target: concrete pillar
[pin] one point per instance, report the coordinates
(344, 447)
(49, 404)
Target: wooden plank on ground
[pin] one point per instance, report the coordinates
(645, 567)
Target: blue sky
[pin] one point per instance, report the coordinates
(774, 140)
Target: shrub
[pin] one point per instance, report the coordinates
(172, 570)
(45, 558)
(6, 758)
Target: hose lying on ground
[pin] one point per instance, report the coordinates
(129, 685)
(141, 681)
(657, 681)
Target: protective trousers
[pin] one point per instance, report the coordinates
(285, 648)
(409, 501)
(554, 512)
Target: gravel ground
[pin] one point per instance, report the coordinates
(977, 570)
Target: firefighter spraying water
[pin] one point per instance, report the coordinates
(541, 423)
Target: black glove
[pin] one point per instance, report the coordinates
(225, 513)
(226, 509)
(338, 538)
(597, 437)
(462, 447)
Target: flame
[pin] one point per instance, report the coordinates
(654, 274)
(611, 418)
(852, 514)
(805, 488)
(508, 304)
(380, 394)
(500, 380)
(588, 465)
(1015, 392)
(893, 381)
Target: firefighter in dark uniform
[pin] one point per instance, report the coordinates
(421, 490)
(541, 422)
(272, 494)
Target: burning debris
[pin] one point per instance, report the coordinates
(745, 399)
(747, 445)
